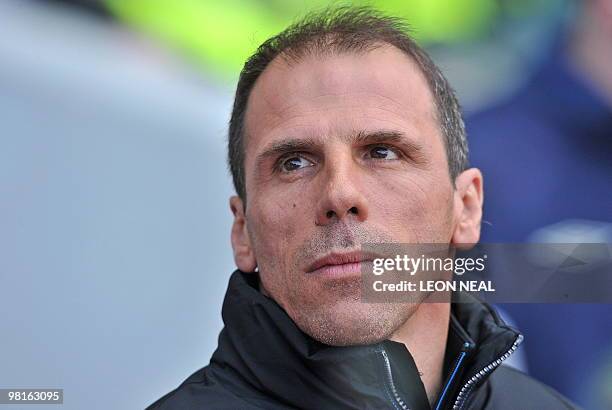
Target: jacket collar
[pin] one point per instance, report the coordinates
(264, 351)
(476, 329)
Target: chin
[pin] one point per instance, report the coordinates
(353, 323)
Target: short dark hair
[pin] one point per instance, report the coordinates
(337, 30)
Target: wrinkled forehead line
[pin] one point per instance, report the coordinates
(288, 60)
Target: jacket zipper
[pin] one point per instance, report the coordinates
(467, 387)
(396, 395)
(464, 351)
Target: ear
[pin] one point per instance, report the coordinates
(241, 243)
(467, 212)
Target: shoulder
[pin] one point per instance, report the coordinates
(199, 391)
(511, 388)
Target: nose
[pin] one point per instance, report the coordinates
(341, 197)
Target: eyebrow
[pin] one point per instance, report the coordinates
(380, 136)
(288, 145)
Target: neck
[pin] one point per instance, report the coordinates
(425, 336)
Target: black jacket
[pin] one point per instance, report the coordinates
(264, 361)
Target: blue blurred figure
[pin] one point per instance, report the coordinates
(546, 156)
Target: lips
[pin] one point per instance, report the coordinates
(340, 264)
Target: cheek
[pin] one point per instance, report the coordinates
(412, 207)
(276, 220)
(274, 231)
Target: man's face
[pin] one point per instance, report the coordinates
(340, 151)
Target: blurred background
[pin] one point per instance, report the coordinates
(114, 217)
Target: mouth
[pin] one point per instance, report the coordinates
(337, 264)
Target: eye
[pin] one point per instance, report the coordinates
(383, 152)
(294, 163)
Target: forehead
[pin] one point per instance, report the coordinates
(323, 93)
